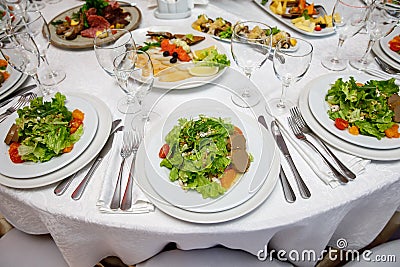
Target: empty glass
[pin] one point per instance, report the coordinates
(250, 48)
(117, 42)
(348, 16)
(292, 59)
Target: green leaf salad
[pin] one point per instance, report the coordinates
(43, 129)
(198, 154)
(365, 106)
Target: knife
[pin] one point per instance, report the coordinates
(65, 183)
(17, 93)
(82, 186)
(287, 188)
(304, 191)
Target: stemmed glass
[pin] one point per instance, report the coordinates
(250, 48)
(134, 73)
(292, 59)
(34, 23)
(379, 22)
(21, 53)
(348, 17)
(118, 41)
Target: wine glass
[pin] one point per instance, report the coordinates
(22, 54)
(292, 59)
(134, 73)
(348, 16)
(380, 22)
(250, 47)
(117, 42)
(35, 24)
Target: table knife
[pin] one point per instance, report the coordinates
(82, 186)
(17, 93)
(304, 191)
(65, 183)
(287, 188)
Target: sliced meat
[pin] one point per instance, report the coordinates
(394, 104)
(166, 35)
(90, 33)
(12, 135)
(190, 39)
(91, 11)
(396, 116)
(240, 160)
(98, 22)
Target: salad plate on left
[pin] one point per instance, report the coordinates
(30, 169)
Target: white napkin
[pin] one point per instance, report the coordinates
(356, 164)
(140, 203)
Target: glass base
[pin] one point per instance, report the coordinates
(126, 106)
(36, 6)
(275, 107)
(359, 64)
(334, 64)
(53, 77)
(141, 122)
(246, 101)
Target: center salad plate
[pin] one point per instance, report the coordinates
(32, 169)
(178, 71)
(318, 88)
(259, 143)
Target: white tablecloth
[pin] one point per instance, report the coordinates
(356, 212)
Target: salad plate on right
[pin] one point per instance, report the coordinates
(319, 108)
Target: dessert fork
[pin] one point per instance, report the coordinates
(23, 100)
(299, 135)
(299, 120)
(126, 151)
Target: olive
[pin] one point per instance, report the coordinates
(173, 60)
(165, 53)
(175, 54)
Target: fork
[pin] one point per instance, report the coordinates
(126, 151)
(24, 99)
(299, 135)
(127, 199)
(386, 67)
(298, 118)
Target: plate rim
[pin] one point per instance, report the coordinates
(383, 42)
(382, 55)
(87, 156)
(363, 152)
(319, 111)
(59, 42)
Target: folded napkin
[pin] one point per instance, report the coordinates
(140, 203)
(356, 164)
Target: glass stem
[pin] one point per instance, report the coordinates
(46, 93)
(369, 47)
(281, 103)
(337, 51)
(246, 91)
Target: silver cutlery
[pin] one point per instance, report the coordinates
(19, 92)
(387, 68)
(287, 188)
(126, 151)
(80, 189)
(65, 183)
(299, 120)
(127, 199)
(299, 135)
(304, 191)
(22, 101)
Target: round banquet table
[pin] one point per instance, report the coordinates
(356, 212)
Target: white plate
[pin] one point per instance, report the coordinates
(364, 152)
(384, 43)
(319, 107)
(288, 22)
(32, 169)
(140, 37)
(377, 49)
(15, 86)
(87, 156)
(15, 76)
(258, 142)
(205, 218)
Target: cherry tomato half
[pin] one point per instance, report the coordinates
(164, 151)
(13, 152)
(341, 124)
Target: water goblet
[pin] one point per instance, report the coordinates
(292, 59)
(21, 53)
(134, 73)
(348, 16)
(35, 24)
(380, 22)
(110, 44)
(250, 48)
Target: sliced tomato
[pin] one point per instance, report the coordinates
(394, 46)
(164, 151)
(13, 153)
(341, 124)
